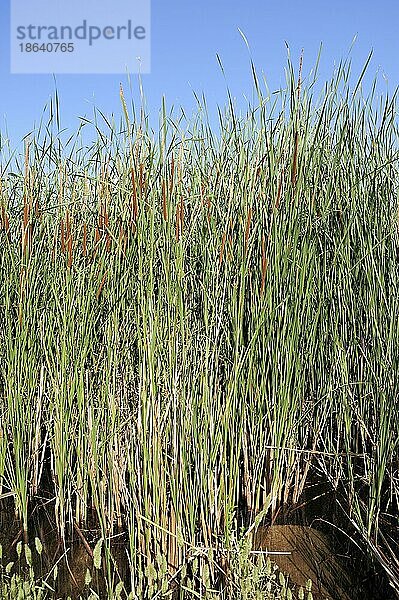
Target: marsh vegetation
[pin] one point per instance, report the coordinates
(198, 327)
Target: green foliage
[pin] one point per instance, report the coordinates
(191, 320)
(18, 582)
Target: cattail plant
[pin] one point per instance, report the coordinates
(198, 323)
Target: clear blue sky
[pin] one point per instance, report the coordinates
(187, 35)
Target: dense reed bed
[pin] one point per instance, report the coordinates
(197, 322)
